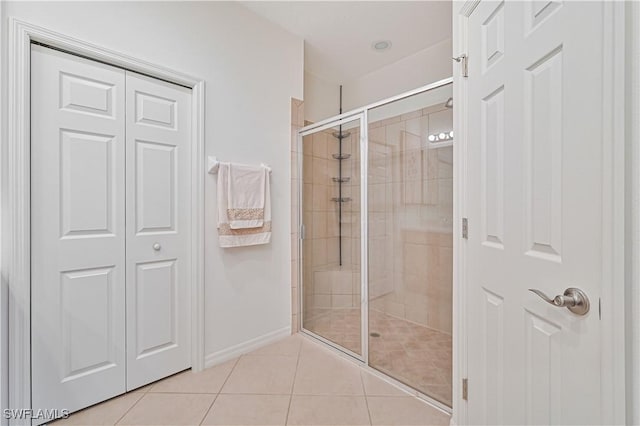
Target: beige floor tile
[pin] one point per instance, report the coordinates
(289, 346)
(248, 410)
(209, 380)
(375, 386)
(262, 374)
(328, 410)
(106, 413)
(169, 409)
(386, 410)
(324, 373)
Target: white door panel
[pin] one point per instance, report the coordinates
(158, 218)
(78, 230)
(535, 208)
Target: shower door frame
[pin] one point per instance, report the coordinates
(364, 295)
(458, 260)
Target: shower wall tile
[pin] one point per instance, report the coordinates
(319, 197)
(322, 300)
(322, 282)
(410, 238)
(320, 145)
(341, 283)
(341, 300)
(320, 170)
(319, 253)
(319, 227)
(308, 168)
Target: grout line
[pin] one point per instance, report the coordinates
(235, 364)
(130, 408)
(364, 391)
(222, 386)
(293, 384)
(208, 409)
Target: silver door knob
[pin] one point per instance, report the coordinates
(156, 246)
(573, 299)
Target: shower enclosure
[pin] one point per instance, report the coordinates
(376, 256)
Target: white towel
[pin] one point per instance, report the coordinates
(246, 195)
(230, 237)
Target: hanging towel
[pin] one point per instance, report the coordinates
(246, 195)
(230, 237)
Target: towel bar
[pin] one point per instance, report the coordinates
(213, 163)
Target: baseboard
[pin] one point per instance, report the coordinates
(218, 357)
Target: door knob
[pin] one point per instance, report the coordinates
(573, 299)
(156, 246)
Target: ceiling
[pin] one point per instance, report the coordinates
(338, 34)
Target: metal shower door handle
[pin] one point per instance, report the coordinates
(573, 299)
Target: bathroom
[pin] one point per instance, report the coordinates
(436, 252)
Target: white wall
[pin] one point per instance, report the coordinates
(252, 68)
(424, 67)
(321, 97)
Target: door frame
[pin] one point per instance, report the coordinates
(17, 263)
(364, 288)
(612, 305)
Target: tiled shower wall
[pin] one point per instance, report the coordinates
(329, 285)
(411, 196)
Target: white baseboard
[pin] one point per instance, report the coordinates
(218, 357)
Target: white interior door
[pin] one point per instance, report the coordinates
(158, 133)
(78, 230)
(535, 170)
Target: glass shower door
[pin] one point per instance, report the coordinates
(410, 236)
(331, 291)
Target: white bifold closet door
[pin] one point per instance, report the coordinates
(158, 135)
(110, 230)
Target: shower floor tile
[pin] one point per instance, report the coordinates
(411, 353)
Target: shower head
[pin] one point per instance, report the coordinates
(449, 103)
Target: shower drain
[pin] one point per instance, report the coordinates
(374, 334)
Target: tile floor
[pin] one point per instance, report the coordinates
(413, 354)
(295, 381)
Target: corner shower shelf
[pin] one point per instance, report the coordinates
(341, 156)
(341, 135)
(341, 200)
(341, 179)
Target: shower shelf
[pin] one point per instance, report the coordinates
(342, 179)
(341, 200)
(341, 156)
(341, 135)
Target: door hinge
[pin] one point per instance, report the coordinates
(465, 389)
(302, 231)
(600, 308)
(465, 228)
(464, 61)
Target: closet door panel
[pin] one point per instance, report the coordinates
(78, 230)
(158, 227)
